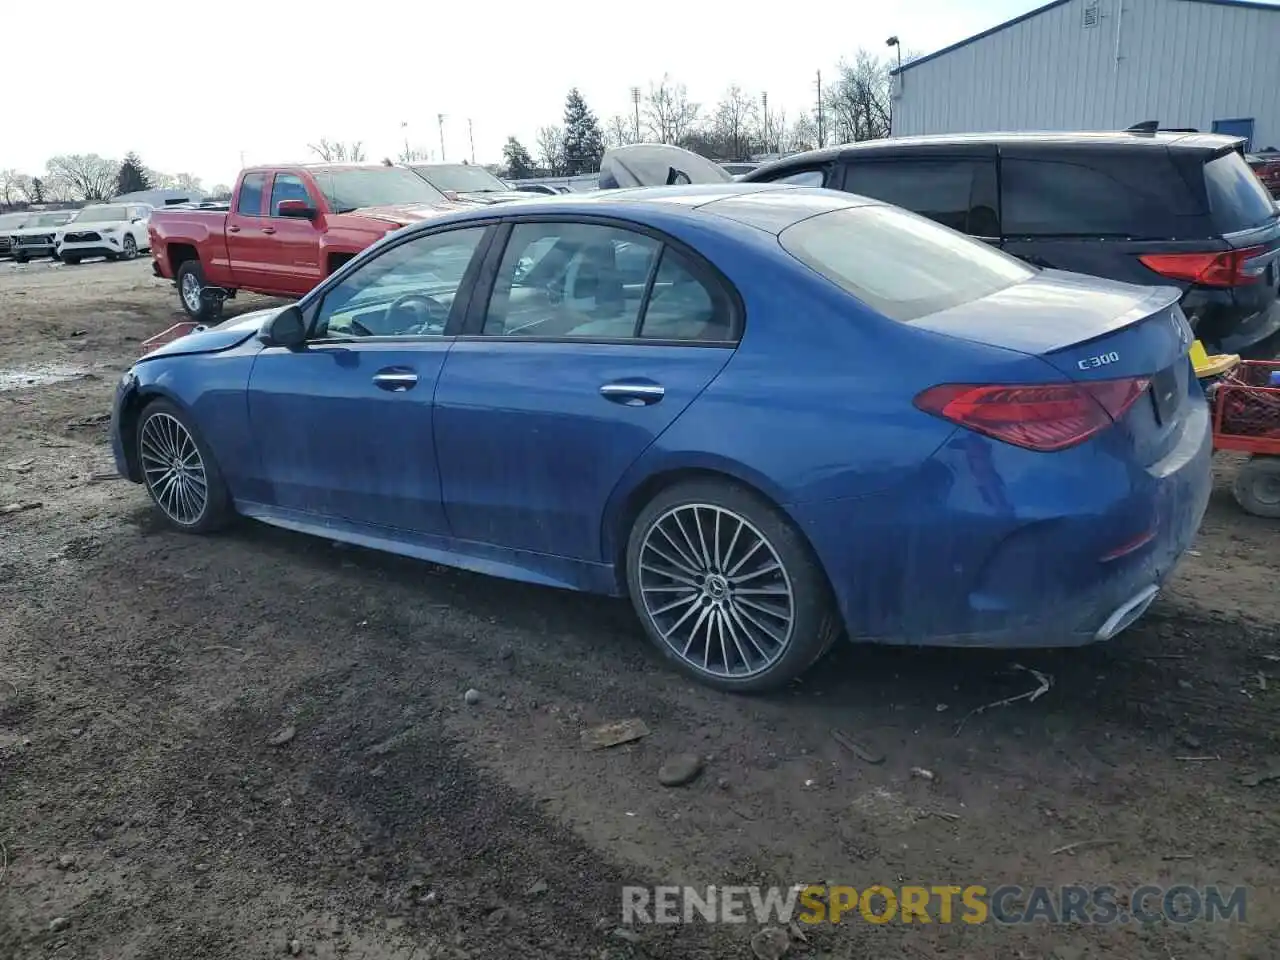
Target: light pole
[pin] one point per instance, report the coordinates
(895, 78)
(440, 120)
(635, 103)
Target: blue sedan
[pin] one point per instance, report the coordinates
(769, 415)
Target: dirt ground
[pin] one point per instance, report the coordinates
(144, 811)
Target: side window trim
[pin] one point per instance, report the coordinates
(467, 288)
(261, 179)
(702, 269)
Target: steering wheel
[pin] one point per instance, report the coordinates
(429, 314)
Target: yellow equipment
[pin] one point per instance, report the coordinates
(1215, 366)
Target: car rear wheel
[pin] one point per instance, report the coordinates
(179, 471)
(727, 588)
(1257, 486)
(191, 292)
(130, 246)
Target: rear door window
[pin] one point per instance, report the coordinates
(959, 194)
(899, 264)
(1131, 197)
(1237, 198)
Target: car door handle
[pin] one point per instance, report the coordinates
(633, 394)
(233, 229)
(268, 229)
(395, 381)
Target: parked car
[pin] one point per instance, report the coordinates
(1267, 169)
(286, 230)
(739, 168)
(542, 188)
(35, 238)
(1150, 208)
(8, 223)
(764, 413)
(116, 231)
(467, 182)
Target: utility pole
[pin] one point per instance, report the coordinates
(822, 127)
(635, 102)
(471, 135)
(764, 102)
(894, 78)
(440, 120)
(404, 125)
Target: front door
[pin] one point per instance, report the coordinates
(580, 359)
(344, 424)
(297, 265)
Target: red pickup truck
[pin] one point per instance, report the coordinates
(286, 229)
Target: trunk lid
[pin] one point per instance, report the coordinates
(1090, 330)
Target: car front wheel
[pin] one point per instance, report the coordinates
(130, 248)
(191, 288)
(727, 588)
(179, 470)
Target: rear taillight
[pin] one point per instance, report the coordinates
(1227, 268)
(1044, 417)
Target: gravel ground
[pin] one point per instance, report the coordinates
(148, 807)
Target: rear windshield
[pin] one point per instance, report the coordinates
(900, 264)
(462, 178)
(1238, 199)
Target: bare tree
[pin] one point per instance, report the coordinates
(735, 123)
(87, 175)
(410, 154)
(668, 111)
(550, 146)
(50, 189)
(803, 134)
(336, 151)
(619, 131)
(11, 187)
(777, 132)
(859, 99)
(188, 182)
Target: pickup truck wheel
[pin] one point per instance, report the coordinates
(191, 293)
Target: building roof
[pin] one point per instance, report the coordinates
(1246, 4)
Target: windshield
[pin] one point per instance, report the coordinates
(12, 221)
(354, 188)
(898, 263)
(50, 220)
(101, 214)
(462, 178)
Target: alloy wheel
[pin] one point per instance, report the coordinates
(716, 591)
(130, 248)
(191, 292)
(173, 469)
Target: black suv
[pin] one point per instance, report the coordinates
(1179, 209)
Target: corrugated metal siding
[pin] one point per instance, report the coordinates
(1185, 64)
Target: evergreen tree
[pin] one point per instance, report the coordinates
(516, 157)
(132, 176)
(583, 138)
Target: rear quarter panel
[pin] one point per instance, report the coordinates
(205, 230)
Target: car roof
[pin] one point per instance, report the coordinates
(1101, 138)
(769, 207)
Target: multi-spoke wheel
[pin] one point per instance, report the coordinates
(178, 471)
(726, 587)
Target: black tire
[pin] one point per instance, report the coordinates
(130, 247)
(19, 258)
(1257, 487)
(111, 257)
(208, 308)
(814, 620)
(71, 258)
(217, 510)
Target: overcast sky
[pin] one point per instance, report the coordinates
(193, 87)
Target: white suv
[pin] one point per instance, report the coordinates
(116, 231)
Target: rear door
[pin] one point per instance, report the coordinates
(595, 337)
(954, 185)
(248, 244)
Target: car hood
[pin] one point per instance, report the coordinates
(405, 214)
(33, 231)
(224, 336)
(494, 196)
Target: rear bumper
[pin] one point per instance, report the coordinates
(989, 546)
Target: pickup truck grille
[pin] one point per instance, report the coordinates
(34, 240)
(86, 237)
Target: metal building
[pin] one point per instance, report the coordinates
(1104, 65)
